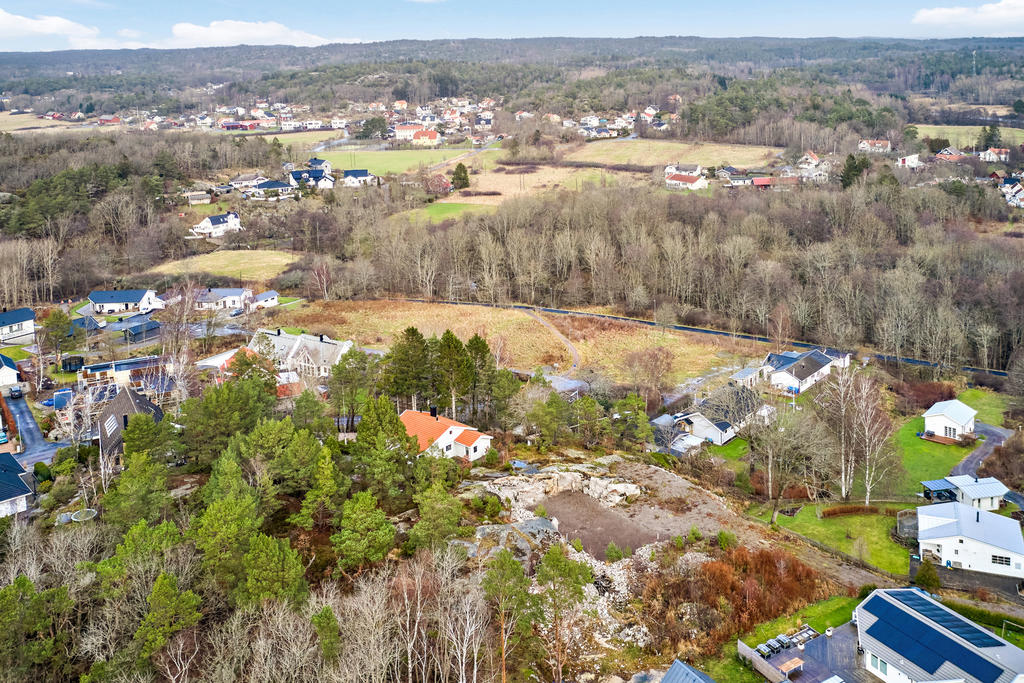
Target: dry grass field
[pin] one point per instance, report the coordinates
(604, 345)
(28, 123)
(523, 342)
(539, 179)
(250, 266)
(965, 137)
(990, 109)
(661, 152)
(307, 138)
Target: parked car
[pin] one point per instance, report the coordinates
(237, 312)
(16, 392)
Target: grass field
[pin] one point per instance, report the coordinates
(439, 211)
(965, 137)
(841, 532)
(29, 123)
(541, 179)
(820, 615)
(305, 139)
(253, 266)
(922, 459)
(604, 345)
(661, 152)
(15, 353)
(387, 162)
(520, 341)
(734, 450)
(990, 405)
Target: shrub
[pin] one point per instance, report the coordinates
(577, 545)
(679, 542)
(44, 486)
(927, 578)
(63, 491)
(694, 536)
(492, 458)
(613, 553)
(866, 590)
(841, 510)
(42, 472)
(727, 540)
(540, 510)
(493, 507)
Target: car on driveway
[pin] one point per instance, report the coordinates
(16, 392)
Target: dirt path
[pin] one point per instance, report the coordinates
(573, 352)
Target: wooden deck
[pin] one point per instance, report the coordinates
(945, 440)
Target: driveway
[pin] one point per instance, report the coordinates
(37, 449)
(994, 436)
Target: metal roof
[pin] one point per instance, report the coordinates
(7, 362)
(680, 672)
(117, 296)
(957, 519)
(974, 487)
(269, 294)
(18, 315)
(11, 484)
(745, 373)
(955, 410)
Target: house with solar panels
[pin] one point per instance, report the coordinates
(958, 536)
(907, 636)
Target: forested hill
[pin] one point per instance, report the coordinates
(197, 64)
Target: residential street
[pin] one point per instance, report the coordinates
(37, 449)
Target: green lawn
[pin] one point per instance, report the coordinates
(989, 404)
(285, 300)
(293, 330)
(16, 353)
(211, 209)
(734, 450)
(922, 459)
(841, 532)
(439, 211)
(820, 615)
(78, 307)
(390, 162)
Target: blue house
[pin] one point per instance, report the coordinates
(318, 178)
(141, 332)
(18, 326)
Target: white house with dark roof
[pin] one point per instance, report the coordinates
(267, 299)
(904, 636)
(311, 177)
(963, 537)
(984, 493)
(14, 486)
(18, 326)
(247, 181)
(218, 225)
(8, 371)
(319, 164)
(951, 419)
(795, 372)
(271, 190)
(118, 301)
(722, 414)
(223, 298)
(356, 177)
(307, 354)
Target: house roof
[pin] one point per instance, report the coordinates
(428, 429)
(683, 178)
(6, 362)
(214, 294)
(957, 519)
(11, 483)
(729, 405)
(112, 418)
(421, 134)
(744, 373)
(321, 350)
(932, 642)
(356, 173)
(222, 218)
(273, 185)
(310, 174)
(15, 316)
(680, 672)
(955, 410)
(117, 296)
(978, 487)
(87, 323)
(269, 294)
(799, 365)
(315, 162)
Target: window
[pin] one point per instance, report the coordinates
(950, 432)
(961, 540)
(883, 667)
(1001, 560)
(448, 447)
(874, 661)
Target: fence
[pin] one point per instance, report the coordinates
(760, 664)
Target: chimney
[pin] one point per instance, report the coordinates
(124, 421)
(433, 412)
(279, 332)
(977, 516)
(321, 339)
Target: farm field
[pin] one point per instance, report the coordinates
(540, 179)
(439, 211)
(965, 137)
(520, 341)
(603, 347)
(29, 123)
(383, 162)
(661, 152)
(252, 265)
(305, 139)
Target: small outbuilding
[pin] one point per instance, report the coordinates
(951, 419)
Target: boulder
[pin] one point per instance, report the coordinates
(526, 539)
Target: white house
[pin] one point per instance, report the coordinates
(8, 371)
(426, 138)
(319, 164)
(984, 493)
(679, 181)
(950, 419)
(18, 326)
(911, 161)
(272, 190)
(684, 169)
(267, 299)
(440, 436)
(995, 154)
(247, 180)
(963, 537)
(875, 146)
(795, 372)
(808, 161)
(311, 177)
(357, 176)
(904, 636)
(717, 418)
(223, 299)
(117, 301)
(406, 131)
(307, 354)
(218, 225)
(14, 489)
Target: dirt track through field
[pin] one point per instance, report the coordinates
(565, 340)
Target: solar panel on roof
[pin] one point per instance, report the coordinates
(926, 647)
(954, 622)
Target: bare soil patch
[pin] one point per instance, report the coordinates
(580, 516)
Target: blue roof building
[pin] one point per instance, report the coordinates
(14, 491)
(680, 672)
(18, 325)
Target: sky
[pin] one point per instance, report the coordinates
(30, 25)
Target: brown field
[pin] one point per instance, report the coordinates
(990, 109)
(604, 344)
(523, 342)
(28, 123)
(539, 180)
(661, 152)
(249, 265)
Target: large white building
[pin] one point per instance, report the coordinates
(118, 301)
(308, 355)
(796, 372)
(950, 419)
(984, 493)
(442, 437)
(223, 298)
(218, 225)
(907, 637)
(959, 536)
(18, 326)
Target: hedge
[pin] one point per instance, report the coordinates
(841, 510)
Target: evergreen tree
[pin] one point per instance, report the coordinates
(460, 177)
(632, 428)
(507, 588)
(562, 581)
(454, 370)
(440, 513)
(222, 533)
(141, 553)
(328, 632)
(323, 500)
(256, 365)
(853, 169)
(309, 414)
(364, 535)
(293, 468)
(273, 571)
(551, 417)
(170, 610)
(225, 480)
(60, 335)
(483, 368)
(223, 411)
(35, 632)
(139, 493)
(145, 434)
(592, 423)
(409, 368)
(384, 453)
(350, 383)
(927, 578)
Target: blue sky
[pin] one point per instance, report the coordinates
(84, 24)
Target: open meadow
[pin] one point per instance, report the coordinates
(661, 152)
(305, 139)
(520, 341)
(28, 123)
(965, 137)
(248, 265)
(389, 162)
(440, 211)
(519, 181)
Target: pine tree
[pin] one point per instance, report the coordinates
(454, 369)
(170, 610)
(384, 453)
(145, 434)
(222, 534)
(139, 493)
(328, 632)
(323, 500)
(632, 427)
(440, 513)
(309, 413)
(460, 176)
(483, 371)
(273, 571)
(365, 535)
(562, 581)
(507, 588)
(350, 382)
(408, 368)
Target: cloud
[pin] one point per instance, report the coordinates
(1005, 17)
(234, 32)
(17, 27)
(129, 33)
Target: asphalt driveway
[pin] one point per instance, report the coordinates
(37, 448)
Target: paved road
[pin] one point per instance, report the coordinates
(994, 436)
(565, 340)
(37, 449)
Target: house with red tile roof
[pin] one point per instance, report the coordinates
(876, 146)
(426, 138)
(682, 181)
(995, 154)
(437, 435)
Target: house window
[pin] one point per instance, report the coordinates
(950, 432)
(448, 447)
(883, 667)
(1001, 560)
(874, 661)
(474, 449)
